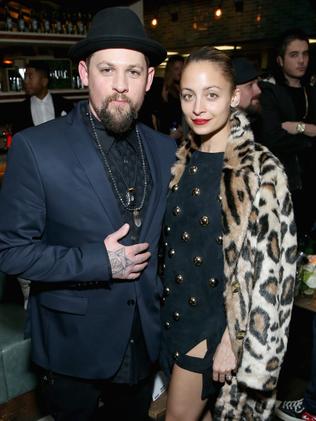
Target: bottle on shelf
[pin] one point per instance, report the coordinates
(34, 25)
(45, 22)
(80, 24)
(69, 25)
(21, 22)
(74, 20)
(64, 23)
(8, 19)
(88, 21)
(56, 23)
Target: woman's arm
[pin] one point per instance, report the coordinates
(224, 362)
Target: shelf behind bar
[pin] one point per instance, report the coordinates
(8, 37)
(67, 93)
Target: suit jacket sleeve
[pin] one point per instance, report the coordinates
(24, 250)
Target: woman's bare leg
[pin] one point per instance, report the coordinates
(184, 401)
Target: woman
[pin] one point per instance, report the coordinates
(230, 253)
(169, 114)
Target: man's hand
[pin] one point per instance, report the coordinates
(291, 128)
(127, 262)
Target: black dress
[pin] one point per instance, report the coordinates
(193, 304)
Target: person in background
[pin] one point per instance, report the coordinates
(246, 77)
(40, 105)
(81, 205)
(230, 257)
(289, 124)
(168, 112)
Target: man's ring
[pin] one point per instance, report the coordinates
(228, 377)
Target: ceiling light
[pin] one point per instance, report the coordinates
(154, 22)
(228, 47)
(218, 12)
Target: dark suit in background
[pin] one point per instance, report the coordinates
(22, 118)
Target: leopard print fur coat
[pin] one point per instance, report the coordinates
(259, 246)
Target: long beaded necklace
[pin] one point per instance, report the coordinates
(306, 103)
(130, 193)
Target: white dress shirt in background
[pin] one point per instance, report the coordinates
(42, 110)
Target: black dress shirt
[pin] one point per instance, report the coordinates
(124, 158)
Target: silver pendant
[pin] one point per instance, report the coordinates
(136, 218)
(130, 198)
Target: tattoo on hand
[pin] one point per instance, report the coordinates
(119, 262)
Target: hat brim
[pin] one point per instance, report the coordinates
(248, 78)
(155, 53)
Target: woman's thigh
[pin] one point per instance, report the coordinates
(185, 389)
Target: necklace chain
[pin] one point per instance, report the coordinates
(306, 103)
(125, 204)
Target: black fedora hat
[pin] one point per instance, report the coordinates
(244, 70)
(118, 27)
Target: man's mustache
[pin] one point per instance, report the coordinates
(118, 97)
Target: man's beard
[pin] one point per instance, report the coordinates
(120, 119)
(253, 108)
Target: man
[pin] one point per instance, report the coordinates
(82, 205)
(246, 77)
(289, 124)
(289, 130)
(40, 105)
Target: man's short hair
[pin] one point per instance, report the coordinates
(287, 37)
(40, 66)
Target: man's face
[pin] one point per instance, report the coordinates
(118, 80)
(249, 96)
(35, 83)
(295, 61)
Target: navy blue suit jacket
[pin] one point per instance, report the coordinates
(57, 206)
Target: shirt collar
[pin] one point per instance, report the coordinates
(44, 100)
(109, 140)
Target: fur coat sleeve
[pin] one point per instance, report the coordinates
(259, 246)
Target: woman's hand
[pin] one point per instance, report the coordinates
(224, 361)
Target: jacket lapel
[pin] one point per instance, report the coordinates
(156, 184)
(83, 147)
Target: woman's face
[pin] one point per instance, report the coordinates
(206, 97)
(177, 70)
